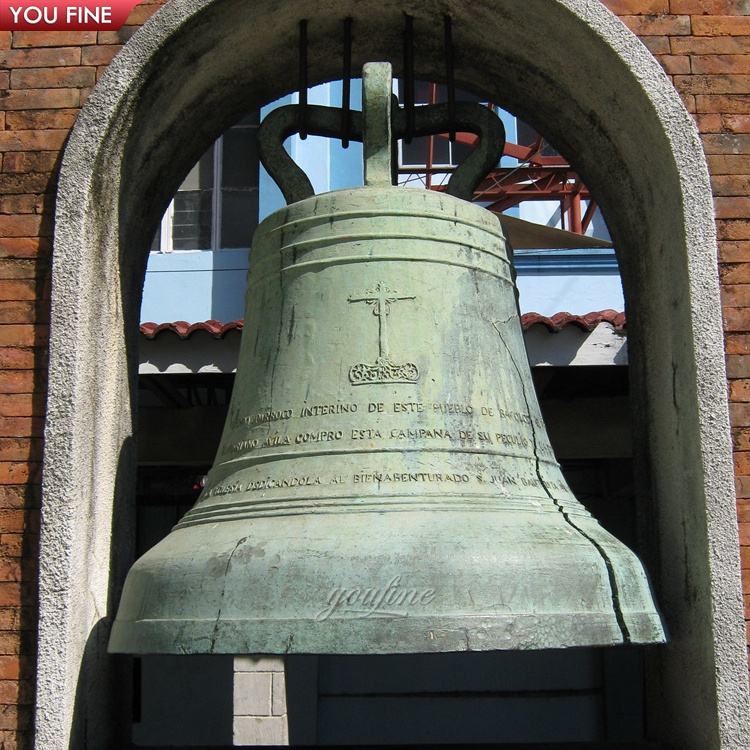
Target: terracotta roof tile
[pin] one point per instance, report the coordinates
(587, 322)
(554, 324)
(184, 329)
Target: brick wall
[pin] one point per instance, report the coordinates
(703, 45)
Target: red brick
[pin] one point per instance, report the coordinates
(13, 521)
(745, 557)
(734, 252)
(20, 381)
(24, 335)
(726, 143)
(741, 442)
(17, 289)
(27, 183)
(708, 7)
(6, 38)
(657, 45)
(32, 140)
(707, 45)
(23, 311)
(17, 359)
(8, 692)
(731, 229)
(40, 58)
(18, 204)
(10, 570)
(14, 717)
(21, 426)
(710, 123)
(8, 717)
(720, 64)
(729, 164)
(40, 99)
(117, 37)
(735, 295)
(24, 162)
(721, 25)
(735, 273)
(675, 64)
(99, 55)
(712, 84)
(141, 13)
(739, 415)
(10, 642)
(9, 668)
(24, 247)
(26, 496)
(20, 226)
(638, 7)
(732, 207)
(41, 119)
(739, 391)
(51, 78)
(736, 319)
(20, 472)
(21, 405)
(736, 123)
(11, 545)
(727, 104)
(14, 594)
(20, 449)
(661, 25)
(20, 546)
(53, 38)
(22, 268)
(689, 101)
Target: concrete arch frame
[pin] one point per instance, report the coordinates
(196, 67)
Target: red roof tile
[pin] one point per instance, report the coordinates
(555, 324)
(587, 322)
(184, 329)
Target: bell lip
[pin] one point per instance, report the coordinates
(413, 635)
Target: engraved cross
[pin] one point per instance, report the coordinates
(380, 299)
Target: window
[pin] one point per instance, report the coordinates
(204, 217)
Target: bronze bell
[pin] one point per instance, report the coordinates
(384, 483)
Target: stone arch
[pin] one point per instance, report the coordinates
(192, 70)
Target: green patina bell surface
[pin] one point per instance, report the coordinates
(384, 483)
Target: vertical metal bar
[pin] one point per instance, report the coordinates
(449, 77)
(346, 83)
(303, 79)
(409, 78)
(217, 196)
(430, 156)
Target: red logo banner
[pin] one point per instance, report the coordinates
(64, 15)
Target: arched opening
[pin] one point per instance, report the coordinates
(600, 97)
